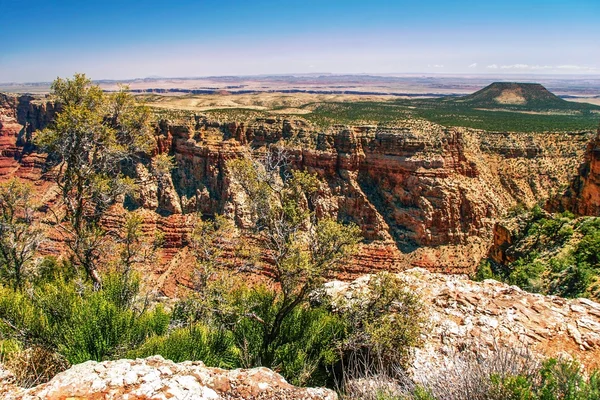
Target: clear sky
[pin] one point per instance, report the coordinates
(124, 39)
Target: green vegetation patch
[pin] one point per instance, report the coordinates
(452, 113)
(327, 114)
(553, 254)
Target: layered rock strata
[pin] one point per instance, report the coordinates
(423, 195)
(583, 195)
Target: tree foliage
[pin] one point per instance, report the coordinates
(20, 236)
(302, 246)
(93, 136)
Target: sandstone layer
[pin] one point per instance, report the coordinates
(155, 378)
(424, 195)
(583, 195)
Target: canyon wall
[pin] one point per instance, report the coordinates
(424, 195)
(20, 116)
(583, 195)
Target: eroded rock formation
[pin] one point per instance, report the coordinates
(583, 195)
(423, 195)
(427, 194)
(20, 116)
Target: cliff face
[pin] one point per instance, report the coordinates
(583, 195)
(20, 116)
(423, 195)
(367, 170)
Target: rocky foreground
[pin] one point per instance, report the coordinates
(155, 378)
(465, 318)
(468, 317)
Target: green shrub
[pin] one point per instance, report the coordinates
(484, 271)
(306, 349)
(214, 347)
(563, 380)
(526, 274)
(65, 316)
(512, 387)
(72, 319)
(383, 323)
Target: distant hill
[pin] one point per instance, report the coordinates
(520, 96)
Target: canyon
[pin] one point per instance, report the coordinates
(429, 200)
(423, 195)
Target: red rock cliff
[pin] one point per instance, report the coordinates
(424, 195)
(583, 195)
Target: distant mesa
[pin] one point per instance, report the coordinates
(515, 95)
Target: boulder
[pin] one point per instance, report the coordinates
(155, 378)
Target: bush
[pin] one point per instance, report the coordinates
(563, 380)
(569, 278)
(527, 274)
(68, 317)
(214, 347)
(65, 316)
(484, 271)
(307, 348)
(32, 366)
(314, 341)
(385, 321)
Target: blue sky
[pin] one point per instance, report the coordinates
(125, 39)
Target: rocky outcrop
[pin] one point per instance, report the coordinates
(478, 317)
(20, 116)
(504, 236)
(155, 378)
(428, 194)
(583, 195)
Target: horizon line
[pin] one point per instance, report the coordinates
(292, 74)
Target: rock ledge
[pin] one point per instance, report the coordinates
(157, 378)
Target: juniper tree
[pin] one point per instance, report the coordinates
(19, 235)
(303, 248)
(93, 136)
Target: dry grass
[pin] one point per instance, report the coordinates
(279, 103)
(511, 97)
(33, 366)
(468, 377)
(590, 100)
